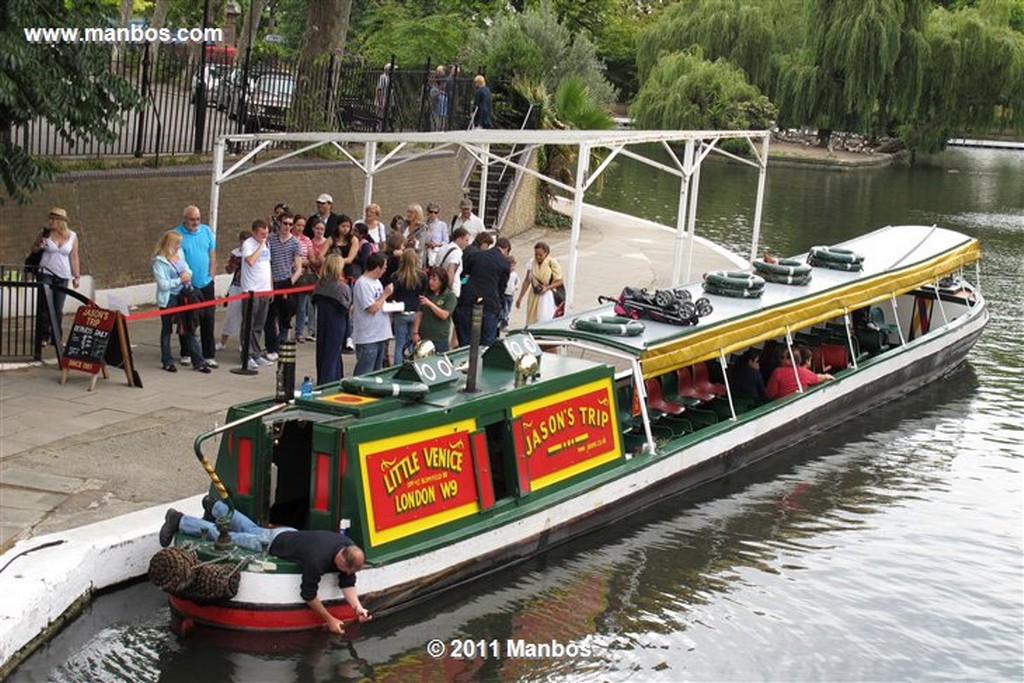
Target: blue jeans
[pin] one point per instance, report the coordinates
(401, 325)
(464, 326)
(243, 531)
(303, 326)
(166, 327)
(43, 315)
(370, 357)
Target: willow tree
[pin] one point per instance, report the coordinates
(976, 80)
(684, 90)
(750, 33)
(861, 68)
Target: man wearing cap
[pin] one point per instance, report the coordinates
(468, 220)
(323, 212)
(200, 247)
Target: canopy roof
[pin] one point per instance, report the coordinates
(404, 147)
(897, 259)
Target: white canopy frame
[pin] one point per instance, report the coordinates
(698, 145)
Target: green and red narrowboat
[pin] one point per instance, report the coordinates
(450, 466)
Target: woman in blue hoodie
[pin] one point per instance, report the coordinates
(172, 275)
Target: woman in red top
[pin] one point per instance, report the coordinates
(784, 380)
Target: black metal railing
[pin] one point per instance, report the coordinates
(24, 303)
(187, 102)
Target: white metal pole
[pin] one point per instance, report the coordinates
(684, 198)
(691, 227)
(725, 376)
(896, 317)
(371, 162)
(218, 171)
(582, 164)
(485, 164)
(759, 204)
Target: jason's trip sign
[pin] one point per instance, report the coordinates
(567, 433)
(416, 481)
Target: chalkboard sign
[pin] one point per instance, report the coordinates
(90, 334)
(98, 338)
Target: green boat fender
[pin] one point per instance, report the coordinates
(378, 386)
(788, 267)
(835, 255)
(609, 324)
(735, 279)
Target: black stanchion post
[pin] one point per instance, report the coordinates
(476, 324)
(243, 369)
(286, 371)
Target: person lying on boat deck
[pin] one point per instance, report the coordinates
(784, 380)
(745, 378)
(317, 552)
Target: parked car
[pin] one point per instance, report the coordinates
(269, 100)
(213, 75)
(229, 91)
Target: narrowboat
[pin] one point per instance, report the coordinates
(449, 467)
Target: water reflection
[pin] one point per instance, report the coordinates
(888, 547)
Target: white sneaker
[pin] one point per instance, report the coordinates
(210, 362)
(253, 364)
(270, 355)
(264, 361)
(185, 360)
(219, 347)
(349, 344)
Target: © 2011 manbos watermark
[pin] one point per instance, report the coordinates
(510, 648)
(122, 34)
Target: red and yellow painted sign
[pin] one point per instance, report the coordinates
(417, 481)
(348, 399)
(567, 433)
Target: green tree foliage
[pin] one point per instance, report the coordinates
(412, 31)
(69, 85)
(684, 90)
(750, 33)
(976, 79)
(862, 65)
(535, 46)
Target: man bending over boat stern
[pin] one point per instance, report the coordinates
(317, 552)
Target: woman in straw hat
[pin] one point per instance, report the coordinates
(58, 263)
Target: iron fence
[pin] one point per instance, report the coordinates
(187, 102)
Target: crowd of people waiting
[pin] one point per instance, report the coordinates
(377, 289)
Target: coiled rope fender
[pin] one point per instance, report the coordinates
(735, 284)
(378, 386)
(609, 324)
(786, 266)
(733, 280)
(835, 258)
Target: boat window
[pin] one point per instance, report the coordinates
(499, 445)
(293, 445)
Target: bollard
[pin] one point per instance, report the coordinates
(286, 371)
(243, 369)
(476, 324)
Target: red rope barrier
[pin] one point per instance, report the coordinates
(213, 302)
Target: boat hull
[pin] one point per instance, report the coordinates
(269, 601)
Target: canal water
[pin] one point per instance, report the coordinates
(888, 548)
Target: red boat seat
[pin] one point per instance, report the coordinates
(702, 384)
(656, 400)
(688, 391)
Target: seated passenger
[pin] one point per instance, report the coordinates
(783, 380)
(745, 378)
(770, 358)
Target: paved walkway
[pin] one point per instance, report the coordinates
(70, 457)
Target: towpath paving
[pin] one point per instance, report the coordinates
(70, 457)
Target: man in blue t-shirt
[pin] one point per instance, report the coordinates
(200, 247)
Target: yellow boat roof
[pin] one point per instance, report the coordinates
(897, 259)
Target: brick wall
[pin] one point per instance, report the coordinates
(120, 215)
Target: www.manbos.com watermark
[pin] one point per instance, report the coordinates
(123, 34)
